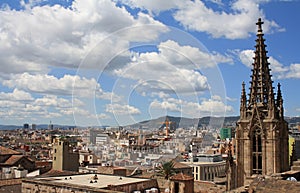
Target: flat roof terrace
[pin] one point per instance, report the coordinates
(88, 182)
(102, 181)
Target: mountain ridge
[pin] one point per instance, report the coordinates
(175, 122)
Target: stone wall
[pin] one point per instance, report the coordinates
(35, 186)
(10, 185)
(135, 186)
(31, 185)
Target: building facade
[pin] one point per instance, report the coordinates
(63, 156)
(181, 183)
(208, 167)
(225, 133)
(262, 132)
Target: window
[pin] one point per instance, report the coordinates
(176, 187)
(257, 152)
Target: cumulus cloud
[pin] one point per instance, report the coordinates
(246, 57)
(172, 64)
(16, 95)
(67, 85)
(103, 116)
(53, 101)
(165, 105)
(154, 6)
(17, 108)
(294, 71)
(41, 36)
(198, 16)
(119, 109)
(189, 57)
(213, 106)
(20, 105)
(195, 15)
(279, 70)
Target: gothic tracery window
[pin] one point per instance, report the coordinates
(257, 152)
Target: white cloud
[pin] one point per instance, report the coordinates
(10, 104)
(41, 36)
(246, 57)
(175, 81)
(165, 105)
(218, 2)
(279, 71)
(294, 71)
(75, 110)
(43, 108)
(197, 16)
(154, 6)
(188, 56)
(160, 94)
(67, 85)
(103, 116)
(231, 99)
(16, 95)
(174, 68)
(119, 109)
(53, 101)
(213, 106)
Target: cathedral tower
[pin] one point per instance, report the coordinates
(262, 132)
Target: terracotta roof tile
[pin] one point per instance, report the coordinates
(178, 165)
(181, 176)
(8, 182)
(13, 159)
(7, 151)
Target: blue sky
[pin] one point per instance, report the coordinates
(102, 62)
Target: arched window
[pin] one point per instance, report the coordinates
(257, 152)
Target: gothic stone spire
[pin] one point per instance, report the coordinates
(261, 89)
(279, 101)
(243, 106)
(262, 132)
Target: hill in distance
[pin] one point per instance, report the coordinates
(175, 122)
(182, 122)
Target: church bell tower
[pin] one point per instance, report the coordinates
(262, 132)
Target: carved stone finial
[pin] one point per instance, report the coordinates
(259, 24)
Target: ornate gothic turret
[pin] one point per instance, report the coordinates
(262, 132)
(243, 106)
(261, 89)
(279, 102)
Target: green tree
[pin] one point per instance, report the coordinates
(166, 169)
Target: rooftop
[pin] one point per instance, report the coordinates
(182, 177)
(7, 151)
(89, 180)
(13, 159)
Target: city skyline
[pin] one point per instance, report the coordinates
(121, 62)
